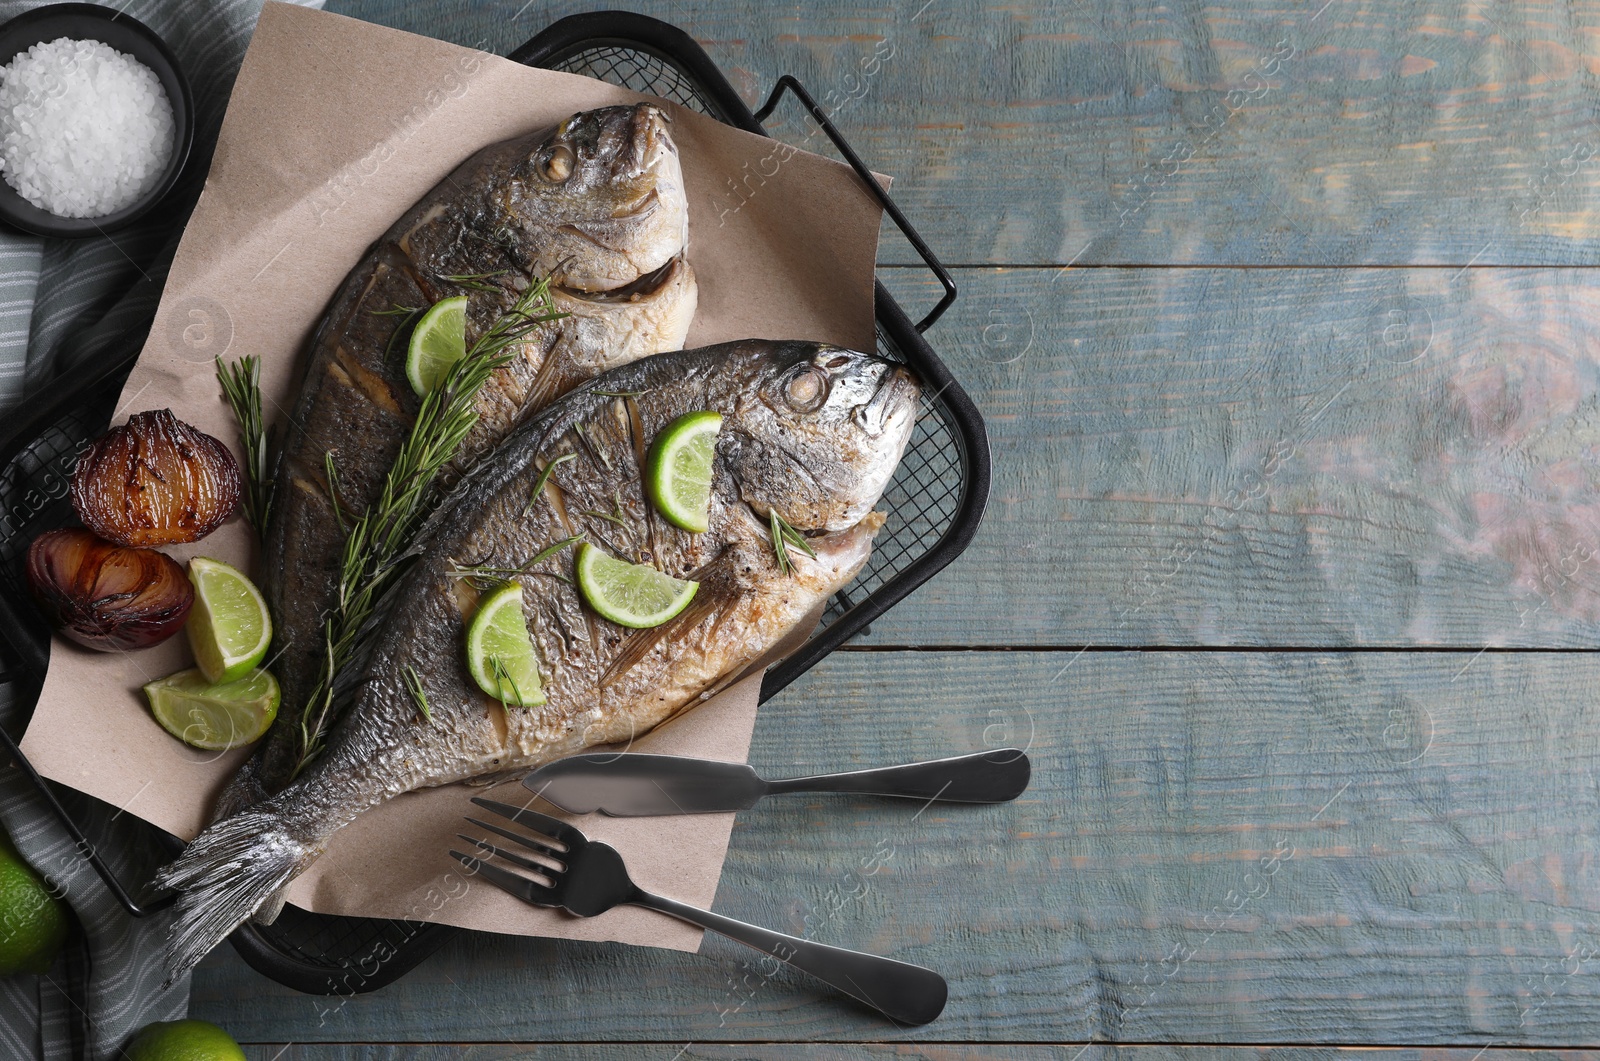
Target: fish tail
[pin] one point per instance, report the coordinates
(223, 877)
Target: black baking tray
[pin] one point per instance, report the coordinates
(934, 502)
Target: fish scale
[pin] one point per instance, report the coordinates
(810, 433)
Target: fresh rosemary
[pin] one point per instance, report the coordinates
(544, 477)
(241, 386)
(408, 316)
(477, 281)
(484, 573)
(783, 536)
(550, 550)
(381, 535)
(414, 687)
(503, 681)
(332, 473)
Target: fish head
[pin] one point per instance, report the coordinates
(602, 200)
(819, 434)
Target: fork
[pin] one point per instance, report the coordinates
(587, 877)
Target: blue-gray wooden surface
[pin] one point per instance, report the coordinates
(1283, 321)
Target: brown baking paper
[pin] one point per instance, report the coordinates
(335, 128)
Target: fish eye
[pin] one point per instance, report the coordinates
(807, 390)
(558, 164)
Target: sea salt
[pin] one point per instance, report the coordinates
(85, 130)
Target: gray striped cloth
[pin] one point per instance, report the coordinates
(61, 305)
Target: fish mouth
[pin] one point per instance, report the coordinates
(647, 141)
(647, 205)
(891, 405)
(642, 286)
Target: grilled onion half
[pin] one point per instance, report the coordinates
(106, 596)
(155, 481)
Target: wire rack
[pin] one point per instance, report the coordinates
(933, 504)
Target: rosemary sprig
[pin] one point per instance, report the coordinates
(241, 386)
(550, 550)
(414, 687)
(380, 537)
(783, 536)
(476, 281)
(332, 473)
(503, 681)
(485, 572)
(544, 477)
(501, 238)
(408, 316)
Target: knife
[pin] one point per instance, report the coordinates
(636, 785)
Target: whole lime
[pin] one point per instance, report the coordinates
(182, 1040)
(33, 922)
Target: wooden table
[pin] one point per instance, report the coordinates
(1283, 320)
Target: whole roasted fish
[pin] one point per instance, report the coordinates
(810, 432)
(597, 206)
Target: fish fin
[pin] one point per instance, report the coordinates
(712, 597)
(269, 910)
(549, 383)
(223, 876)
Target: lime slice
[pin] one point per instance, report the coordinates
(229, 628)
(678, 471)
(214, 716)
(500, 651)
(438, 341)
(635, 595)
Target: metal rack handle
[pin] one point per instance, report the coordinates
(818, 115)
(81, 843)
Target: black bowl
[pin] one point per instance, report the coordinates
(126, 35)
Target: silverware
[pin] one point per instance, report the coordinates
(633, 785)
(587, 877)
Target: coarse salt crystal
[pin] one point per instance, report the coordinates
(85, 130)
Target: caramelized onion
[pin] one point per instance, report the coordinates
(105, 596)
(155, 481)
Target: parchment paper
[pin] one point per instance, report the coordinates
(335, 128)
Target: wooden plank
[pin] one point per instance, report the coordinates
(1333, 457)
(834, 1051)
(1218, 847)
(1243, 131)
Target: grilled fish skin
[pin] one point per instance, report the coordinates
(809, 431)
(598, 205)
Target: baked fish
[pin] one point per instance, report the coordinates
(810, 432)
(596, 205)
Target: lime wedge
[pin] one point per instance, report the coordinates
(229, 628)
(214, 716)
(635, 595)
(438, 341)
(500, 651)
(678, 470)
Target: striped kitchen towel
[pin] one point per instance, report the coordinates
(62, 305)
